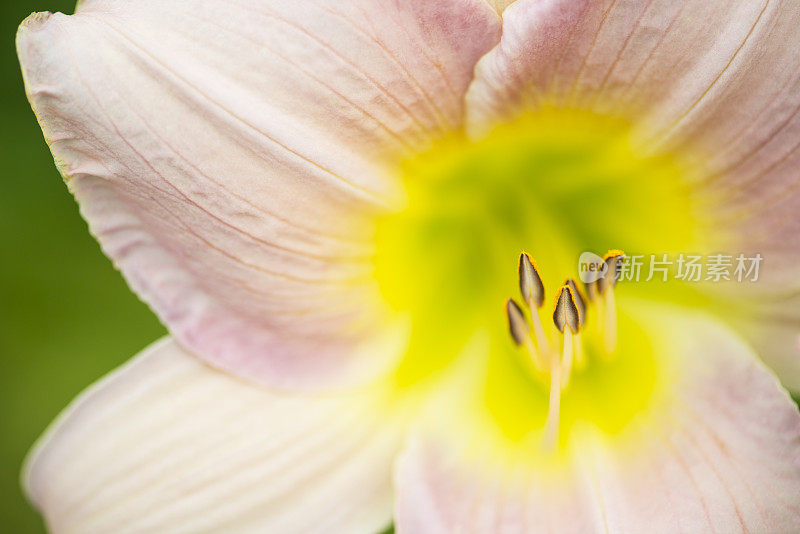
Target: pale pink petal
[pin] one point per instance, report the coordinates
(168, 444)
(719, 453)
(715, 81)
(228, 155)
(694, 72)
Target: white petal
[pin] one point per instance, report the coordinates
(719, 453)
(230, 155)
(167, 444)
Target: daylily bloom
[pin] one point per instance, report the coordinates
(361, 223)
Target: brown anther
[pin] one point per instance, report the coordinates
(566, 311)
(517, 325)
(530, 283)
(580, 303)
(613, 260)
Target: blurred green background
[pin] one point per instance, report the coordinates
(66, 316)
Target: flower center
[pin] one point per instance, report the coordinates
(555, 183)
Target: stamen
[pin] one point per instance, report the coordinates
(609, 321)
(569, 317)
(567, 320)
(517, 324)
(613, 259)
(532, 290)
(521, 333)
(578, 338)
(592, 291)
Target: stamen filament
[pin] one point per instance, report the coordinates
(542, 342)
(568, 358)
(554, 409)
(609, 320)
(613, 260)
(536, 356)
(580, 304)
(580, 354)
(521, 334)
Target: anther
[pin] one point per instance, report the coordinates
(517, 324)
(530, 283)
(613, 261)
(521, 333)
(580, 303)
(566, 313)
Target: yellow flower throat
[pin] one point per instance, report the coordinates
(554, 183)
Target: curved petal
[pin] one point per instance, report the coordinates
(715, 81)
(167, 444)
(227, 155)
(679, 68)
(719, 453)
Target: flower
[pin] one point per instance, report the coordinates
(325, 202)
